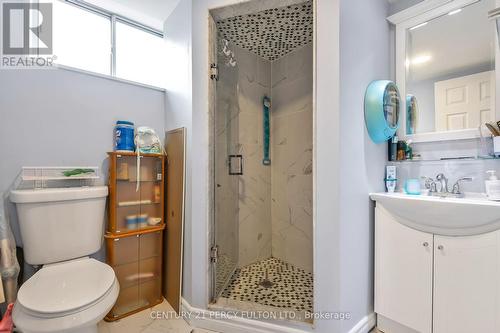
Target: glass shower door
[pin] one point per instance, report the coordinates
(227, 168)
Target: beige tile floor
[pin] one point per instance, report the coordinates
(142, 322)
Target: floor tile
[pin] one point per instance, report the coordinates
(143, 322)
(272, 282)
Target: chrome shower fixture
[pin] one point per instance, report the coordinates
(224, 50)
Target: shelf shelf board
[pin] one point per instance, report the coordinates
(449, 159)
(32, 178)
(135, 181)
(128, 233)
(136, 261)
(131, 153)
(133, 203)
(57, 173)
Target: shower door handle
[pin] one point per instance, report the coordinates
(235, 165)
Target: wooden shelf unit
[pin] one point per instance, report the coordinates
(122, 189)
(134, 250)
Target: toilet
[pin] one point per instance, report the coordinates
(60, 228)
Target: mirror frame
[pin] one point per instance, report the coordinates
(425, 11)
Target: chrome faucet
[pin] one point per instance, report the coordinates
(441, 178)
(456, 187)
(443, 190)
(430, 184)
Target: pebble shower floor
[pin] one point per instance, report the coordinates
(292, 287)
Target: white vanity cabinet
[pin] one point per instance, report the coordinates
(435, 284)
(403, 273)
(467, 283)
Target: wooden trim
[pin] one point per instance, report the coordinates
(110, 253)
(109, 317)
(131, 153)
(134, 233)
(175, 144)
(112, 192)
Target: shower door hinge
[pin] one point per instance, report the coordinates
(214, 72)
(214, 254)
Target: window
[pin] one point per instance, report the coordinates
(84, 39)
(140, 55)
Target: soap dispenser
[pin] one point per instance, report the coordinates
(492, 186)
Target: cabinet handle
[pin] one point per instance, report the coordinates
(425, 244)
(440, 247)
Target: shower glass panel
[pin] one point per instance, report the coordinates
(226, 179)
(261, 110)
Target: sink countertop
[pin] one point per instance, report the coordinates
(473, 214)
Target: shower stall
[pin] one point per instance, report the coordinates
(261, 109)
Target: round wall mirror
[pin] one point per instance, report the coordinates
(382, 109)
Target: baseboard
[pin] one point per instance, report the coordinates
(365, 325)
(210, 320)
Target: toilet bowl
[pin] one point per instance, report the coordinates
(60, 228)
(71, 296)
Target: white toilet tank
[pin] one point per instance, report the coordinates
(59, 224)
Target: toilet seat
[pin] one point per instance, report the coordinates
(84, 321)
(65, 288)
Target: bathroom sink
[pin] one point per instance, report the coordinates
(473, 214)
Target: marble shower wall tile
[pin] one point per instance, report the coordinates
(291, 158)
(254, 82)
(268, 210)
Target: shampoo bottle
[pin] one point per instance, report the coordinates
(393, 148)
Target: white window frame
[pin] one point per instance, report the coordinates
(113, 18)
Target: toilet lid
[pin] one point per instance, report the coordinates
(66, 286)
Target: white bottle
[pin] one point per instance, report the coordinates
(390, 178)
(492, 186)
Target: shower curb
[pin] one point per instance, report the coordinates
(204, 319)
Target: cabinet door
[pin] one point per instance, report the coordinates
(467, 284)
(150, 246)
(151, 174)
(403, 272)
(127, 198)
(125, 262)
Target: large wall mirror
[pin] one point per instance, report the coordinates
(445, 69)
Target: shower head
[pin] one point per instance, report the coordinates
(227, 53)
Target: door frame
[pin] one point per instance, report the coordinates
(212, 91)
